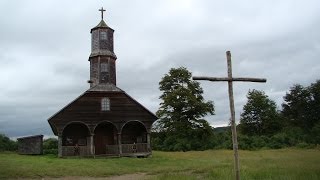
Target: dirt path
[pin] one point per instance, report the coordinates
(137, 176)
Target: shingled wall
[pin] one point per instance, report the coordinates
(30, 145)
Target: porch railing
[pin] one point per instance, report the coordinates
(112, 149)
(75, 151)
(127, 149)
(135, 148)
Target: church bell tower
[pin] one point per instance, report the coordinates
(102, 58)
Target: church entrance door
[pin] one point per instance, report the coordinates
(104, 134)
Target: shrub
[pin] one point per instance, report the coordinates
(50, 151)
(278, 141)
(51, 143)
(7, 144)
(303, 145)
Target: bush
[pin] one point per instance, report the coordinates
(303, 145)
(260, 141)
(50, 151)
(7, 144)
(252, 142)
(315, 134)
(278, 141)
(295, 135)
(50, 146)
(51, 143)
(223, 140)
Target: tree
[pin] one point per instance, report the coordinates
(50, 146)
(295, 106)
(50, 143)
(301, 106)
(182, 110)
(260, 116)
(6, 144)
(314, 107)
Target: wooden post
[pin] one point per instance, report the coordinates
(59, 146)
(230, 80)
(119, 144)
(233, 121)
(91, 148)
(148, 142)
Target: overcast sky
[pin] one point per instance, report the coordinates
(45, 45)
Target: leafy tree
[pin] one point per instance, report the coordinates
(50, 143)
(260, 116)
(7, 144)
(50, 146)
(295, 108)
(182, 110)
(301, 106)
(314, 107)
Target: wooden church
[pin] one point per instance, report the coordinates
(104, 120)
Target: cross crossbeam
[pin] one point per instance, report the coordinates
(227, 79)
(230, 80)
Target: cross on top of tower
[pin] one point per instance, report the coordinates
(102, 10)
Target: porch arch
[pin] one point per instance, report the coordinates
(133, 132)
(75, 133)
(105, 138)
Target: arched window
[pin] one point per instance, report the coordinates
(105, 104)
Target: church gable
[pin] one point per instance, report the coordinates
(89, 109)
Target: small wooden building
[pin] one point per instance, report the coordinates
(31, 145)
(104, 120)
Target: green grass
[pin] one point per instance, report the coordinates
(212, 164)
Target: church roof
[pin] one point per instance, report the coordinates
(104, 87)
(102, 25)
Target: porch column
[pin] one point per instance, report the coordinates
(91, 145)
(148, 142)
(119, 144)
(59, 146)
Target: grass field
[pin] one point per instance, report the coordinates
(212, 164)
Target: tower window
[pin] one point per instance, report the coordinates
(103, 35)
(105, 104)
(104, 67)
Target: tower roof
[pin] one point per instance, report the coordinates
(101, 25)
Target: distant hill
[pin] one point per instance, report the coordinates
(221, 129)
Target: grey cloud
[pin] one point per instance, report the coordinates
(45, 46)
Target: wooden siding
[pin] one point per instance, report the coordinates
(87, 109)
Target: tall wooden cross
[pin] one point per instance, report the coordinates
(102, 10)
(230, 80)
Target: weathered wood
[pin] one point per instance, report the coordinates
(30, 145)
(233, 121)
(87, 109)
(230, 80)
(245, 79)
